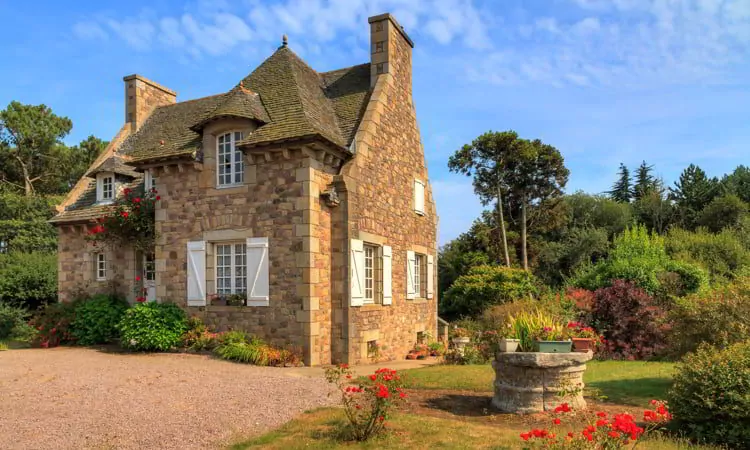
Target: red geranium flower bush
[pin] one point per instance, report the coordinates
(367, 402)
(130, 221)
(599, 431)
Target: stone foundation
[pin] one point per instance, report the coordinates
(535, 382)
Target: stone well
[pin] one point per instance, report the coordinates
(533, 382)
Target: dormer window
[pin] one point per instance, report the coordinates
(229, 166)
(105, 187)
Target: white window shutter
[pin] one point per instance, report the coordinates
(257, 272)
(430, 275)
(411, 262)
(419, 196)
(196, 273)
(387, 281)
(357, 262)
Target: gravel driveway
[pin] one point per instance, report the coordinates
(74, 398)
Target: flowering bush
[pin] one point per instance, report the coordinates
(369, 402)
(131, 221)
(600, 431)
(240, 347)
(53, 324)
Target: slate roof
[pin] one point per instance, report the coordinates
(114, 164)
(239, 102)
(289, 99)
(85, 208)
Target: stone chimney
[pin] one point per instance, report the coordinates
(390, 48)
(142, 96)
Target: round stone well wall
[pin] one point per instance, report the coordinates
(535, 382)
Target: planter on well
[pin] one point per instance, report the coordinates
(583, 344)
(535, 382)
(509, 345)
(554, 346)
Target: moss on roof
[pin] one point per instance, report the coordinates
(86, 208)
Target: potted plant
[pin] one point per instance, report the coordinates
(584, 338)
(508, 341)
(217, 300)
(436, 348)
(236, 300)
(550, 339)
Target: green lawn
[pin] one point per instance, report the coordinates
(317, 430)
(624, 382)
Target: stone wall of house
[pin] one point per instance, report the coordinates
(379, 184)
(276, 201)
(77, 269)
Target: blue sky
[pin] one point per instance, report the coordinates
(605, 81)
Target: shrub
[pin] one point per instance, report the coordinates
(485, 286)
(709, 397)
(720, 317)
(53, 324)
(11, 318)
(96, 319)
(641, 258)
(722, 254)
(630, 322)
(238, 346)
(28, 279)
(152, 326)
(368, 402)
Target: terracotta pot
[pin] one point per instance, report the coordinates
(583, 345)
(411, 356)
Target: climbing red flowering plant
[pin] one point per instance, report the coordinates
(600, 431)
(368, 401)
(130, 221)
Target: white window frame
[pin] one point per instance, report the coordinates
(373, 274)
(233, 266)
(100, 259)
(149, 181)
(101, 185)
(418, 263)
(236, 163)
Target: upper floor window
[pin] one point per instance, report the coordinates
(419, 197)
(105, 187)
(229, 165)
(149, 180)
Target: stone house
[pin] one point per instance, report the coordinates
(303, 193)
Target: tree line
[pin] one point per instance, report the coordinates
(532, 224)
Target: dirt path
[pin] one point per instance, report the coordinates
(74, 398)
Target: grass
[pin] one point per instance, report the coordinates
(623, 382)
(318, 429)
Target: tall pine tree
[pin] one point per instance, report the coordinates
(692, 193)
(622, 190)
(644, 181)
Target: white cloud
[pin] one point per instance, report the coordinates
(203, 29)
(89, 30)
(625, 43)
(138, 33)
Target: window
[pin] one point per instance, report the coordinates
(101, 266)
(419, 276)
(105, 189)
(149, 180)
(373, 277)
(229, 165)
(149, 267)
(231, 268)
(419, 197)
